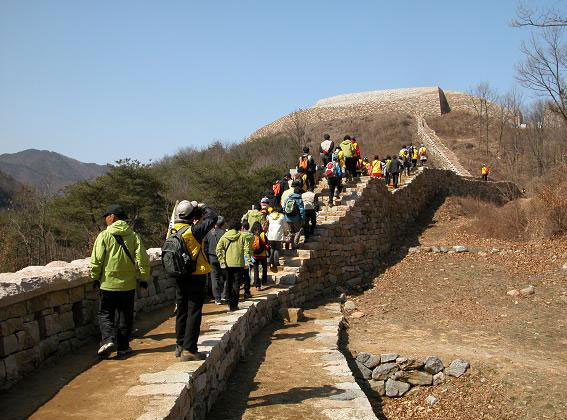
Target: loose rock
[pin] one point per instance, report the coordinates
(357, 314)
(431, 400)
(530, 290)
(350, 305)
(396, 388)
(433, 365)
(388, 357)
(381, 372)
(513, 292)
(460, 248)
(414, 377)
(457, 368)
(438, 378)
(364, 371)
(378, 387)
(372, 361)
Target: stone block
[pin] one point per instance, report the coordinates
(165, 377)
(372, 361)
(32, 336)
(388, 357)
(48, 346)
(76, 294)
(28, 360)
(173, 389)
(38, 303)
(383, 371)
(364, 371)
(8, 345)
(414, 377)
(378, 386)
(292, 315)
(58, 298)
(433, 365)
(10, 326)
(2, 372)
(64, 347)
(49, 325)
(11, 367)
(66, 321)
(438, 378)
(457, 368)
(13, 311)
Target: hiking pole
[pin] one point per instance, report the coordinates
(171, 219)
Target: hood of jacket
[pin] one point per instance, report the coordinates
(232, 235)
(120, 227)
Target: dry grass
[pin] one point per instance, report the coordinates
(378, 134)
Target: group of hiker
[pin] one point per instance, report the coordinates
(202, 248)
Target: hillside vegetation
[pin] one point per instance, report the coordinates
(38, 229)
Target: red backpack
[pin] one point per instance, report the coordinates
(277, 189)
(331, 170)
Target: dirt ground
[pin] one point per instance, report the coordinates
(457, 306)
(82, 387)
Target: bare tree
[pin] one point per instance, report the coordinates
(482, 97)
(509, 113)
(543, 70)
(526, 16)
(297, 127)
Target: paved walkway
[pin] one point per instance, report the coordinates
(82, 387)
(295, 371)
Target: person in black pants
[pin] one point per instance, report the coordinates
(334, 179)
(260, 255)
(117, 259)
(190, 290)
(218, 274)
(395, 168)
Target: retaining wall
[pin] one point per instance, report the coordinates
(46, 312)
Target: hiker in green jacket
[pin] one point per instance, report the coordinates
(349, 155)
(254, 215)
(117, 259)
(232, 247)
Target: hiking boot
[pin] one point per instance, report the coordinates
(178, 350)
(247, 295)
(187, 356)
(218, 302)
(124, 352)
(105, 350)
(234, 308)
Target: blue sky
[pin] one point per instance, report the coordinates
(103, 80)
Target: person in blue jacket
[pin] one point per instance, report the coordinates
(294, 212)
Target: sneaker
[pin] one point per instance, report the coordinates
(105, 350)
(178, 350)
(124, 352)
(187, 356)
(247, 295)
(218, 302)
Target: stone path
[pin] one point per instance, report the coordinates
(101, 389)
(295, 371)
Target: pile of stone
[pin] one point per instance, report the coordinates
(393, 376)
(457, 249)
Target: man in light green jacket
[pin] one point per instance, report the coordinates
(232, 247)
(117, 259)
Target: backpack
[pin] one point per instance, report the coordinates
(176, 260)
(311, 165)
(277, 189)
(291, 208)
(258, 245)
(303, 163)
(331, 170)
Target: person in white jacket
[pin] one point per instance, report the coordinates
(277, 230)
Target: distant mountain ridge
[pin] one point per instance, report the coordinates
(47, 171)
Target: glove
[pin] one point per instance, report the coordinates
(144, 284)
(96, 285)
(223, 266)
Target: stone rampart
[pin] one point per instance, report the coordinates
(424, 101)
(47, 312)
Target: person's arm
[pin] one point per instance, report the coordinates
(97, 257)
(142, 259)
(206, 242)
(208, 221)
(221, 252)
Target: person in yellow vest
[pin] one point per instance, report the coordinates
(414, 156)
(423, 155)
(484, 171)
(190, 292)
(388, 165)
(376, 165)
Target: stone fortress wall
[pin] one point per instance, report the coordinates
(46, 312)
(422, 101)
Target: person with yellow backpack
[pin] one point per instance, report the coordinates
(349, 156)
(414, 157)
(484, 171)
(376, 168)
(423, 155)
(193, 221)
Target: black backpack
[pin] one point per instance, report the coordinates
(176, 260)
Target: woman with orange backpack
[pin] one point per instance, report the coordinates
(260, 249)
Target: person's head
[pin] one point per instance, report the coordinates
(347, 137)
(114, 213)
(388, 157)
(376, 157)
(404, 146)
(306, 150)
(326, 137)
(353, 139)
(395, 157)
(186, 211)
(236, 225)
(264, 202)
(245, 225)
(297, 184)
(256, 228)
(220, 222)
(287, 176)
